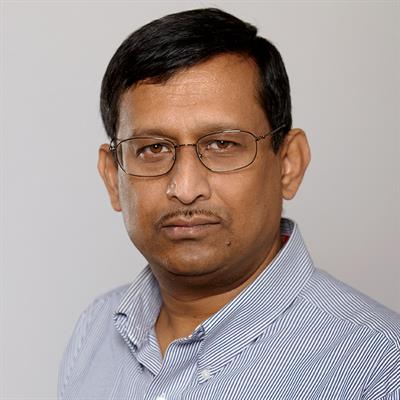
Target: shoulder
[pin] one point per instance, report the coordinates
(92, 323)
(345, 303)
(370, 331)
(105, 303)
(101, 308)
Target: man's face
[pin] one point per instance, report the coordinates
(194, 225)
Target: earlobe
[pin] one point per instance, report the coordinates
(108, 171)
(295, 157)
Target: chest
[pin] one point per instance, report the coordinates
(274, 366)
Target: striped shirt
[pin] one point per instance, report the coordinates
(294, 333)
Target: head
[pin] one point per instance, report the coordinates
(158, 50)
(181, 77)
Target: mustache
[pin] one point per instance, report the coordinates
(187, 213)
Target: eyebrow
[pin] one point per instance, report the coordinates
(204, 129)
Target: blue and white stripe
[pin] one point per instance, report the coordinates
(294, 333)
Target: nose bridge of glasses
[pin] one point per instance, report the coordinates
(185, 144)
(177, 146)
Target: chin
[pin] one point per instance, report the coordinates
(192, 266)
(188, 263)
(190, 271)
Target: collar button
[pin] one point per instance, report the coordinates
(205, 374)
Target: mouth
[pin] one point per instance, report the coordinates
(190, 228)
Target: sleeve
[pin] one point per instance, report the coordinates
(385, 382)
(74, 347)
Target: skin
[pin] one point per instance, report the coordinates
(201, 270)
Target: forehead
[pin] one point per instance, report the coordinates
(222, 92)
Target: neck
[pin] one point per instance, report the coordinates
(181, 313)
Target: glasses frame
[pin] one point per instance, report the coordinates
(115, 142)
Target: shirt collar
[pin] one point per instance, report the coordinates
(276, 287)
(258, 305)
(248, 315)
(138, 309)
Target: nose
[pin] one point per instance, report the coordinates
(188, 179)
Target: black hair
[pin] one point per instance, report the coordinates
(164, 46)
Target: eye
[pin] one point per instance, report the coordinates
(221, 144)
(153, 149)
(157, 148)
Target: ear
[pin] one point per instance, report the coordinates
(295, 157)
(108, 170)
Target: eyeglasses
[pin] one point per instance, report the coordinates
(222, 151)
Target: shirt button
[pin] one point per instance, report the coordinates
(205, 374)
(161, 397)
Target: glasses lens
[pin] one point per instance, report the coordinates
(145, 156)
(227, 151)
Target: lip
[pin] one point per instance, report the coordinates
(189, 228)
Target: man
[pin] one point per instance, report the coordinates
(201, 154)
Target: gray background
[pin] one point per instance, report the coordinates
(62, 245)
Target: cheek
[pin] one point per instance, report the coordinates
(253, 195)
(138, 202)
(251, 189)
